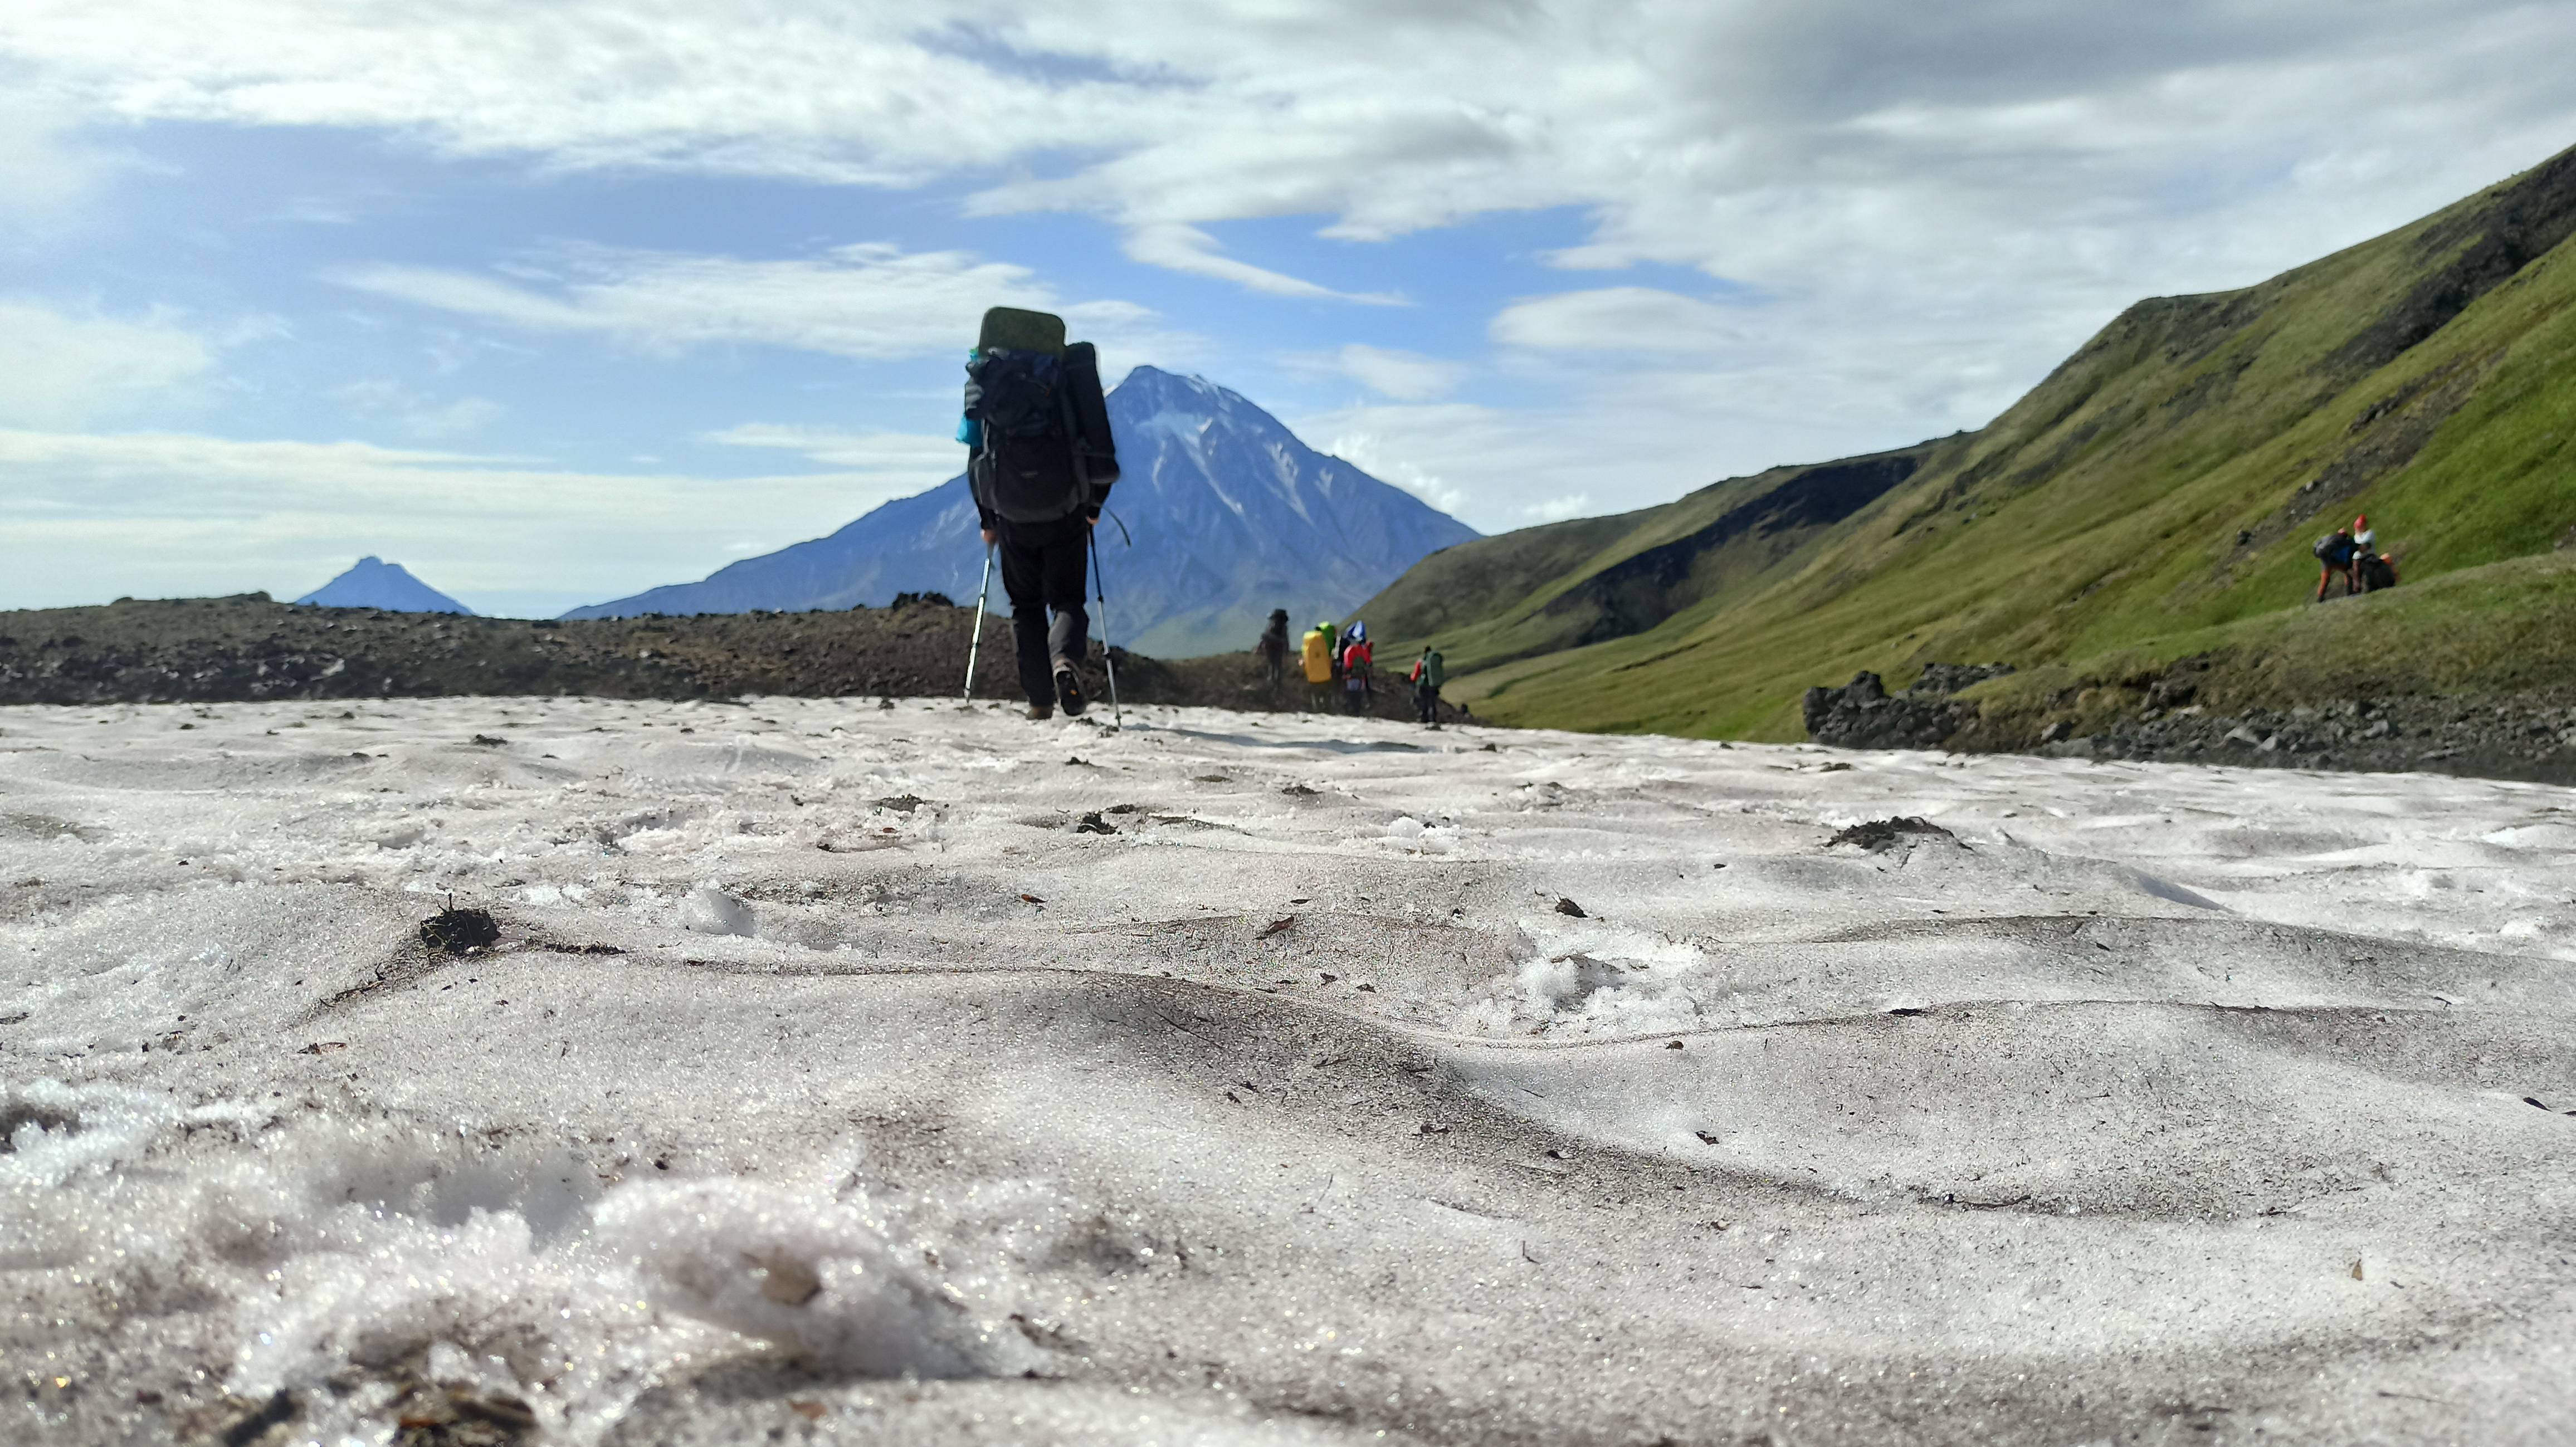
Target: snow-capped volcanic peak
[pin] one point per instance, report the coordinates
(1229, 513)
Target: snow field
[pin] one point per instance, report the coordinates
(926, 1074)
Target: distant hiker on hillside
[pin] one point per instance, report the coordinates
(1040, 466)
(1273, 648)
(2371, 568)
(1319, 667)
(1358, 656)
(1429, 673)
(2335, 552)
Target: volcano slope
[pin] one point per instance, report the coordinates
(839, 1073)
(2167, 480)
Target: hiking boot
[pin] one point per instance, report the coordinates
(1040, 713)
(1068, 692)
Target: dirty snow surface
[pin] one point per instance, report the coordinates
(920, 1074)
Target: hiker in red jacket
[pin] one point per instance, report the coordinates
(1357, 656)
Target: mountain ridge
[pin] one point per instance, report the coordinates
(2166, 477)
(1229, 513)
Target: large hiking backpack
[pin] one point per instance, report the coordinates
(1025, 470)
(1038, 419)
(1095, 449)
(1318, 653)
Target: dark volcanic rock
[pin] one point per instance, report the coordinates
(1879, 833)
(1862, 714)
(249, 649)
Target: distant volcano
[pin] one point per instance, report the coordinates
(1230, 513)
(375, 583)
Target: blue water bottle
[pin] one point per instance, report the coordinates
(970, 428)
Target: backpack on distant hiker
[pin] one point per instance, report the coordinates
(1045, 450)
(1318, 657)
(2334, 549)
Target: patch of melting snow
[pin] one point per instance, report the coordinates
(245, 1119)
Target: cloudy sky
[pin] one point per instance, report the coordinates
(556, 302)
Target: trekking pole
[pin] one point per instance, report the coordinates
(1100, 583)
(983, 590)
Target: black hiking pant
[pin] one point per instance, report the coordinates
(1043, 567)
(1426, 701)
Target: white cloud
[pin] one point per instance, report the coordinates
(1681, 125)
(1188, 249)
(84, 517)
(1619, 319)
(1605, 443)
(871, 300)
(1400, 375)
(1369, 452)
(893, 464)
(64, 368)
(47, 172)
(1933, 204)
(417, 413)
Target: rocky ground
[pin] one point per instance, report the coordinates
(2524, 735)
(249, 648)
(2515, 737)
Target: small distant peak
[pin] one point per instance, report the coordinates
(371, 582)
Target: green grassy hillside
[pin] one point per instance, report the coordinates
(2167, 478)
(2505, 627)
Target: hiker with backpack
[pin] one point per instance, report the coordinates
(1040, 465)
(1430, 671)
(1318, 657)
(1273, 648)
(2372, 569)
(1357, 660)
(2335, 552)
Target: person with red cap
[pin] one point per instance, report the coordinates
(2372, 569)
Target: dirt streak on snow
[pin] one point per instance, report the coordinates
(922, 1074)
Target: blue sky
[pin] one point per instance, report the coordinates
(556, 303)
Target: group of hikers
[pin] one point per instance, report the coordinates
(2353, 555)
(1343, 661)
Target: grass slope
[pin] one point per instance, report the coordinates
(2502, 628)
(2167, 478)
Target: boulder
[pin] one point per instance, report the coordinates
(1862, 714)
